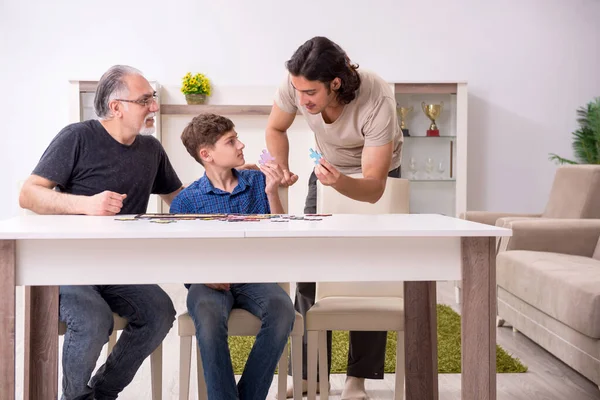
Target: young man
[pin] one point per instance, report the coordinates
(353, 116)
(213, 142)
(107, 167)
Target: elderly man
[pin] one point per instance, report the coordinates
(106, 167)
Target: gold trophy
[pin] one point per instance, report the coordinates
(403, 113)
(432, 111)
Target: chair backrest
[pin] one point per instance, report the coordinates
(283, 196)
(395, 200)
(575, 193)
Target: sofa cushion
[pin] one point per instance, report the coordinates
(563, 286)
(597, 251)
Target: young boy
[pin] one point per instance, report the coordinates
(213, 142)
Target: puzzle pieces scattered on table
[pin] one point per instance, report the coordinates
(316, 156)
(180, 216)
(126, 219)
(265, 157)
(170, 218)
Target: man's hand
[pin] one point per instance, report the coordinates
(105, 203)
(219, 286)
(326, 173)
(274, 176)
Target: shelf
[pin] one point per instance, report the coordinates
(188, 109)
(432, 180)
(429, 137)
(425, 88)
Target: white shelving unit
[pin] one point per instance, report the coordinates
(438, 192)
(442, 191)
(82, 108)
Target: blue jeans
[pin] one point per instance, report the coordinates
(210, 311)
(88, 313)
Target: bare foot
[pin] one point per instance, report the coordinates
(354, 389)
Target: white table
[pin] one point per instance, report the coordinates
(46, 251)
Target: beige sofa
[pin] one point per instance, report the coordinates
(548, 281)
(575, 194)
(548, 272)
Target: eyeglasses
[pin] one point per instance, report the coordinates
(145, 102)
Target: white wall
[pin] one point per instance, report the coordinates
(251, 131)
(529, 65)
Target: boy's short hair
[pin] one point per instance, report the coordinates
(204, 130)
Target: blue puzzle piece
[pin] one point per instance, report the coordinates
(316, 156)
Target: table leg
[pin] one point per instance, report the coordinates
(41, 343)
(420, 340)
(478, 331)
(7, 319)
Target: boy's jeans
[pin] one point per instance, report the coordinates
(88, 313)
(210, 310)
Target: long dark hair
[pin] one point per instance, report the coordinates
(320, 59)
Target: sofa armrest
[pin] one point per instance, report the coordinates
(566, 236)
(490, 218)
(504, 222)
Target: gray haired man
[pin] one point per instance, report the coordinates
(106, 167)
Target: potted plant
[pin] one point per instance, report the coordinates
(586, 139)
(196, 88)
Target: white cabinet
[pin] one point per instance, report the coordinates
(435, 165)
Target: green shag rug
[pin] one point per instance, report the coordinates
(448, 324)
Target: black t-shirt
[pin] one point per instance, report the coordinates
(83, 159)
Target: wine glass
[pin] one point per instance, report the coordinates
(412, 167)
(429, 167)
(441, 168)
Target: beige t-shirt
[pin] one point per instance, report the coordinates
(369, 120)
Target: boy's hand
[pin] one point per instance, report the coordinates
(274, 175)
(219, 286)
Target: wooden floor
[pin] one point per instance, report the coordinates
(547, 378)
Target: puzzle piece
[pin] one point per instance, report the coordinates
(316, 156)
(265, 157)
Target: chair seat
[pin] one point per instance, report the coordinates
(357, 313)
(119, 324)
(241, 323)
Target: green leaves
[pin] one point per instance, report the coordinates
(586, 139)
